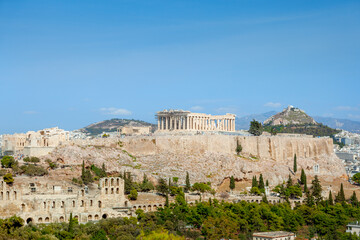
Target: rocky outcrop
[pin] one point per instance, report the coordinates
(290, 115)
(207, 157)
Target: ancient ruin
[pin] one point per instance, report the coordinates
(40, 201)
(180, 120)
(34, 143)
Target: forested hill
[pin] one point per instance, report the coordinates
(112, 124)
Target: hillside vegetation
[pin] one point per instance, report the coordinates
(295, 120)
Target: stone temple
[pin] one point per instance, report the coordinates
(180, 120)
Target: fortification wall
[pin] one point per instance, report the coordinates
(264, 147)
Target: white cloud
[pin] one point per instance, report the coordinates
(196, 108)
(115, 111)
(30, 112)
(346, 108)
(272, 104)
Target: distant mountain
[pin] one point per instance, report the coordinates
(345, 124)
(112, 125)
(244, 122)
(290, 116)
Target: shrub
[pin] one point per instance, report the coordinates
(8, 161)
(77, 181)
(98, 171)
(32, 170)
(238, 149)
(133, 194)
(8, 178)
(31, 159)
(52, 165)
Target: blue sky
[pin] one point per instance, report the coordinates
(72, 63)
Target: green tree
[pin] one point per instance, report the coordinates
(162, 186)
(316, 189)
(99, 235)
(187, 182)
(71, 224)
(238, 149)
(254, 182)
(303, 177)
(133, 194)
(8, 178)
(201, 188)
(340, 198)
(267, 182)
(261, 183)
(232, 183)
(264, 199)
(309, 199)
(356, 178)
(146, 185)
(8, 161)
(295, 164)
(255, 128)
(330, 199)
(289, 182)
(255, 190)
(353, 199)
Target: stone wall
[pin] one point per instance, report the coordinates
(264, 147)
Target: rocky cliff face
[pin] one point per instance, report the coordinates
(207, 157)
(290, 115)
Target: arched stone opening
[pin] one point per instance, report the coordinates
(47, 219)
(96, 217)
(149, 208)
(89, 217)
(22, 207)
(99, 204)
(104, 216)
(29, 220)
(40, 220)
(61, 219)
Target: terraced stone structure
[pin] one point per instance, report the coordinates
(39, 200)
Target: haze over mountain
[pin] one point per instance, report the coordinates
(112, 125)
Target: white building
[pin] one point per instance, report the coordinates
(279, 235)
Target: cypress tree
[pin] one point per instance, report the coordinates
(267, 183)
(354, 201)
(309, 199)
(303, 177)
(289, 182)
(103, 167)
(316, 189)
(167, 200)
(295, 164)
(232, 183)
(187, 182)
(261, 182)
(71, 224)
(264, 199)
(254, 182)
(341, 195)
(83, 171)
(330, 200)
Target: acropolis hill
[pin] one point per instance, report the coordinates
(206, 157)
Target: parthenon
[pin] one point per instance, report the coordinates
(180, 120)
